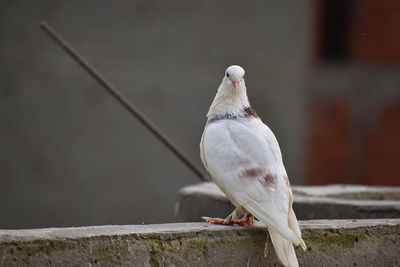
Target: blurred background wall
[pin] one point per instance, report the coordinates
(353, 93)
(70, 155)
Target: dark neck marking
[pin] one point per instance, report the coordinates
(248, 112)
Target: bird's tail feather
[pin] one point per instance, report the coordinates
(294, 225)
(286, 231)
(284, 249)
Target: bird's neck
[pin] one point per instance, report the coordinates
(229, 101)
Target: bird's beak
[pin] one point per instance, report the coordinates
(235, 82)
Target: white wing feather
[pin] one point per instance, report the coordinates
(232, 147)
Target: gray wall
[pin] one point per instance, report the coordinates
(71, 155)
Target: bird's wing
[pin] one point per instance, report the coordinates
(244, 159)
(202, 154)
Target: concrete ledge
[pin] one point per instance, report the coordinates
(330, 243)
(310, 202)
(350, 191)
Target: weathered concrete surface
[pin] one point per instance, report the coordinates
(350, 191)
(310, 202)
(330, 243)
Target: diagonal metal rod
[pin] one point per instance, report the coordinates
(122, 99)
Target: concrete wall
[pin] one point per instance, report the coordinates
(353, 124)
(329, 243)
(70, 155)
(353, 94)
(310, 202)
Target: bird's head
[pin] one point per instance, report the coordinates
(234, 77)
(231, 97)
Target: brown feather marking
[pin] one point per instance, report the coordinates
(253, 172)
(226, 116)
(269, 180)
(250, 112)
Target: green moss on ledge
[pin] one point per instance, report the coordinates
(23, 251)
(200, 245)
(326, 240)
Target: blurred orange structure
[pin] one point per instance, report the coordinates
(346, 141)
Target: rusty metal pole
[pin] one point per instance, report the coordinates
(122, 99)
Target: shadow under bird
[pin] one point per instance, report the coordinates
(243, 158)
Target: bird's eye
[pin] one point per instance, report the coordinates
(227, 75)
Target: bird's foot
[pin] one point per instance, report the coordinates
(213, 220)
(245, 221)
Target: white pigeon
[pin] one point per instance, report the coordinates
(243, 158)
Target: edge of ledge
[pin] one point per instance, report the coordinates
(7, 236)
